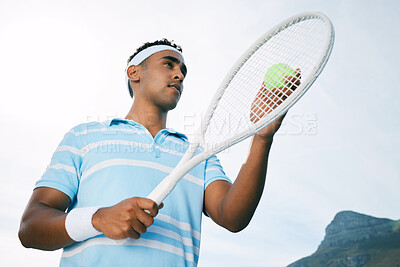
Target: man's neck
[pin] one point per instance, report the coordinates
(150, 117)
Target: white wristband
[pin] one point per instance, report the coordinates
(79, 223)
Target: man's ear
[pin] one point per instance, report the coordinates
(133, 73)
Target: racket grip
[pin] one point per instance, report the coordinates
(162, 190)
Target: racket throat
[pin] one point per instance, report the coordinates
(168, 183)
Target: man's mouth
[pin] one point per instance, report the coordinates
(176, 86)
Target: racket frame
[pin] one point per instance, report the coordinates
(188, 161)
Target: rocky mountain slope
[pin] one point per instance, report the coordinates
(354, 239)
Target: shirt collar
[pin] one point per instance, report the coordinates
(116, 121)
(119, 120)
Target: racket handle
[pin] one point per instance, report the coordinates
(162, 190)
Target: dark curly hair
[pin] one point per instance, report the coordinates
(163, 41)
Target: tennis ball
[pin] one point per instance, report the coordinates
(275, 76)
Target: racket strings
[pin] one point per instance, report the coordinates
(252, 94)
(267, 101)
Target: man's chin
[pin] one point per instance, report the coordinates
(170, 106)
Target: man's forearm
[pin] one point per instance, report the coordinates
(241, 200)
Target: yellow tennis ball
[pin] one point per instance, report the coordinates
(275, 76)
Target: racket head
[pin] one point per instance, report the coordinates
(304, 42)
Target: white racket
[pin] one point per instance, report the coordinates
(252, 96)
(245, 102)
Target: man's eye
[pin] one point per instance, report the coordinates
(169, 64)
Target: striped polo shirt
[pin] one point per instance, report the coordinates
(103, 163)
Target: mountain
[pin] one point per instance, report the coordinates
(354, 239)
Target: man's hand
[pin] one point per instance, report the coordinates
(127, 219)
(267, 100)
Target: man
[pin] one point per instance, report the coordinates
(102, 172)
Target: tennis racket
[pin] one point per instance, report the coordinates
(251, 97)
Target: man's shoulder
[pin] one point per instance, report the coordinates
(84, 128)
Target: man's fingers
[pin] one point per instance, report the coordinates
(131, 233)
(141, 222)
(280, 93)
(148, 204)
(298, 72)
(292, 81)
(144, 218)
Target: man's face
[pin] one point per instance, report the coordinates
(161, 80)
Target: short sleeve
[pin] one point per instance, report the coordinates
(214, 171)
(63, 173)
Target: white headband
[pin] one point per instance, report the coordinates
(144, 54)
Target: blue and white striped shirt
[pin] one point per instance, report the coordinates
(101, 164)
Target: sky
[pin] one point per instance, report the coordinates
(62, 63)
